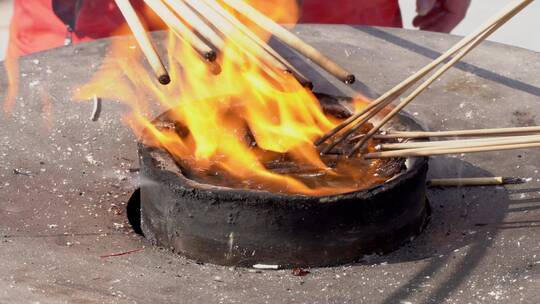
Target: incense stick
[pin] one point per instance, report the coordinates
(266, 48)
(457, 144)
(459, 133)
(443, 151)
(225, 23)
(190, 17)
(501, 21)
(361, 120)
(448, 143)
(475, 181)
(290, 39)
(143, 40)
(181, 30)
(228, 30)
(399, 89)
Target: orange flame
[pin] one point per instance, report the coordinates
(247, 97)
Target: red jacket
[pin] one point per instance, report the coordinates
(35, 26)
(366, 12)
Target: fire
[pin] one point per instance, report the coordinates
(248, 97)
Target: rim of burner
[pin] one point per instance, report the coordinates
(413, 165)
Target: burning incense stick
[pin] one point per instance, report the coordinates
(216, 7)
(266, 48)
(290, 39)
(181, 30)
(234, 29)
(361, 120)
(228, 30)
(458, 144)
(251, 44)
(428, 82)
(475, 181)
(399, 89)
(190, 16)
(144, 41)
(449, 143)
(443, 151)
(460, 133)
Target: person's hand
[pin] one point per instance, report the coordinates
(440, 15)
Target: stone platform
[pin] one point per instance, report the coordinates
(65, 182)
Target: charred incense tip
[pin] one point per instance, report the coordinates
(210, 56)
(164, 79)
(215, 68)
(514, 180)
(327, 150)
(350, 79)
(319, 141)
(359, 148)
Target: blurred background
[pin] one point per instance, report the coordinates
(5, 16)
(521, 31)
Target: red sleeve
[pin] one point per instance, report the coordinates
(35, 27)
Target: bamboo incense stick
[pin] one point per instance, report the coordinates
(190, 17)
(143, 40)
(447, 143)
(262, 44)
(443, 151)
(509, 140)
(217, 16)
(363, 119)
(214, 16)
(459, 133)
(503, 19)
(399, 89)
(181, 30)
(475, 181)
(375, 105)
(290, 39)
(228, 30)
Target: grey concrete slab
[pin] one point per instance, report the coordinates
(65, 182)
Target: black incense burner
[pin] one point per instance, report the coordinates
(246, 227)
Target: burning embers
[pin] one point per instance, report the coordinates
(276, 169)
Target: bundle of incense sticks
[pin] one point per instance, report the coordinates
(346, 129)
(460, 133)
(458, 146)
(206, 24)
